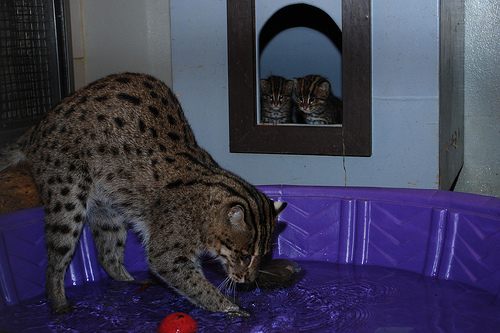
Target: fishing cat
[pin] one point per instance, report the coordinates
(120, 152)
(316, 101)
(276, 104)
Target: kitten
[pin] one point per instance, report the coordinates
(276, 100)
(316, 101)
(120, 152)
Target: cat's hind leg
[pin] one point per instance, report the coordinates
(64, 196)
(109, 230)
(62, 231)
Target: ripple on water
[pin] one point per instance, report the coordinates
(318, 304)
(329, 298)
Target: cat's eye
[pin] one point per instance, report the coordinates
(312, 100)
(281, 97)
(300, 99)
(246, 260)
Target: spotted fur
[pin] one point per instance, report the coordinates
(121, 152)
(276, 106)
(316, 101)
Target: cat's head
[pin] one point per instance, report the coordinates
(311, 92)
(246, 231)
(276, 91)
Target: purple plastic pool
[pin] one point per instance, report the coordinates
(376, 260)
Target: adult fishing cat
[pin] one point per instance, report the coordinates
(120, 152)
(276, 104)
(316, 101)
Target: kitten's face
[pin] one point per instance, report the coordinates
(311, 92)
(242, 246)
(276, 91)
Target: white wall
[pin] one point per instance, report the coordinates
(119, 36)
(117, 39)
(481, 172)
(405, 97)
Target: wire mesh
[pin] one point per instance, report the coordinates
(25, 85)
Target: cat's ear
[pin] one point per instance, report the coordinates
(324, 88)
(236, 216)
(279, 206)
(289, 86)
(264, 85)
(295, 82)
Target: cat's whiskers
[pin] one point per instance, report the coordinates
(263, 277)
(257, 284)
(266, 272)
(225, 285)
(233, 290)
(228, 287)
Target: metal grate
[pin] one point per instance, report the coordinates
(25, 89)
(29, 70)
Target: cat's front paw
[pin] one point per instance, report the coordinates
(234, 311)
(237, 314)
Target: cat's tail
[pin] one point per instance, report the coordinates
(14, 152)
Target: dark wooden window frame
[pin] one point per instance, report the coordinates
(353, 138)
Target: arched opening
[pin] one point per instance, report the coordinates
(248, 135)
(299, 40)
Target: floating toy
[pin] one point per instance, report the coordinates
(177, 322)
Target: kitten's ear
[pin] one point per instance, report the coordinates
(325, 86)
(324, 89)
(264, 85)
(289, 86)
(236, 216)
(279, 206)
(295, 82)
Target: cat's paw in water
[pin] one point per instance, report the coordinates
(234, 311)
(237, 314)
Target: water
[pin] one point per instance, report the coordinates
(328, 298)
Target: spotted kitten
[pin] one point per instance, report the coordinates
(316, 101)
(276, 100)
(120, 152)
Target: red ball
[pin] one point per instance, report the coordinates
(177, 322)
